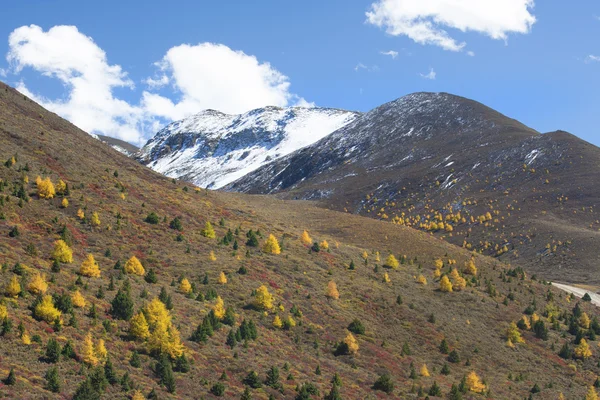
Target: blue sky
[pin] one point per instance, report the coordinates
(125, 68)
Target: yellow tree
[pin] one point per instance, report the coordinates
(306, 239)
(46, 311)
(263, 299)
(80, 214)
(438, 263)
(391, 262)
(222, 278)
(277, 322)
(3, 312)
(591, 394)
(445, 285)
(13, 288)
(424, 370)
(324, 245)
(290, 321)
(38, 284)
(25, 338)
(64, 203)
(138, 327)
(95, 220)
(89, 267)
(212, 256)
(271, 245)
(386, 278)
(62, 252)
(513, 335)
(165, 340)
(156, 314)
(61, 186)
(352, 344)
(422, 280)
(474, 383)
(583, 350)
(134, 266)
(219, 308)
(137, 395)
(185, 286)
(470, 268)
(458, 282)
(208, 231)
(88, 353)
(332, 291)
(45, 188)
(100, 350)
(584, 321)
(78, 299)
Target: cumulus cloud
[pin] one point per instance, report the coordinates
(425, 21)
(431, 75)
(390, 53)
(210, 75)
(192, 78)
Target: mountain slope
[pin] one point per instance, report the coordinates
(212, 149)
(429, 156)
(405, 322)
(120, 145)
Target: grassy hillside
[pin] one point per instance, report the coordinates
(109, 215)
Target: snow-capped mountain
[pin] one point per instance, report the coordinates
(212, 149)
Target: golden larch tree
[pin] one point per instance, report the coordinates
(80, 214)
(46, 310)
(133, 266)
(332, 291)
(13, 288)
(306, 239)
(352, 344)
(271, 245)
(470, 268)
(324, 245)
(474, 383)
(3, 312)
(61, 187)
(212, 256)
(391, 262)
(277, 322)
(583, 350)
(263, 300)
(100, 350)
(138, 327)
(513, 335)
(219, 308)
(89, 267)
(64, 203)
(156, 314)
(591, 394)
(222, 278)
(208, 231)
(422, 280)
(95, 220)
(88, 354)
(185, 286)
(386, 278)
(62, 252)
(45, 188)
(584, 321)
(38, 284)
(78, 299)
(424, 370)
(445, 284)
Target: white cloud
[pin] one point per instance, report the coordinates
(390, 53)
(592, 58)
(361, 66)
(425, 21)
(211, 75)
(199, 76)
(431, 75)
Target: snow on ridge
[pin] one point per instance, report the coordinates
(212, 149)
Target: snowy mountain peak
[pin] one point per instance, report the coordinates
(212, 149)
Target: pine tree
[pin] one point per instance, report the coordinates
(151, 276)
(52, 351)
(273, 377)
(138, 327)
(391, 262)
(134, 266)
(208, 231)
(252, 380)
(62, 252)
(384, 383)
(263, 300)
(444, 348)
(306, 239)
(109, 372)
(122, 304)
(164, 371)
(445, 285)
(246, 395)
(90, 267)
(52, 380)
(11, 379)
(332, 291)
(38, 284)
(271, 245)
